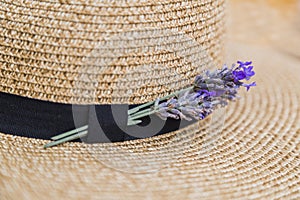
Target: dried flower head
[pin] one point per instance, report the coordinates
(209, 91)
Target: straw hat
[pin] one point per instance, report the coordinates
(59, 53)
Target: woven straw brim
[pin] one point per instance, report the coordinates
(70, 52)
(255, 155)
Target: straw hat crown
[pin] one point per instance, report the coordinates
(106, 51)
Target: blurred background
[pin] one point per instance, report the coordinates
(273, 24)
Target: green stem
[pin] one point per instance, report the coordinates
(141, 112)
(131, 122)
(141, 115)
(67, 139)
(136, 109)
(57, 137)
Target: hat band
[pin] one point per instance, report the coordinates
(39, 119)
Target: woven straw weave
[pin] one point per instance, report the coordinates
(254, 156)
(107, 51)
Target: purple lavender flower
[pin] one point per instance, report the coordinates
(247, 63)
(246, 72)
(213, 89)
(186, 106)
(239, 75)
(210, 90)
(249, 85)
(206, 93)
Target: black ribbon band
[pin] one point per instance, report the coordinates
(33, 118)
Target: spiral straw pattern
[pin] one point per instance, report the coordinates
(255, 155)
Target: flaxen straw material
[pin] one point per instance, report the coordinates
(86, 51)
(255, 155)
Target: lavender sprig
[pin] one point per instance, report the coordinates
(210, 91)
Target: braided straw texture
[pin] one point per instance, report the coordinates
(255, 156)
(106, 51)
